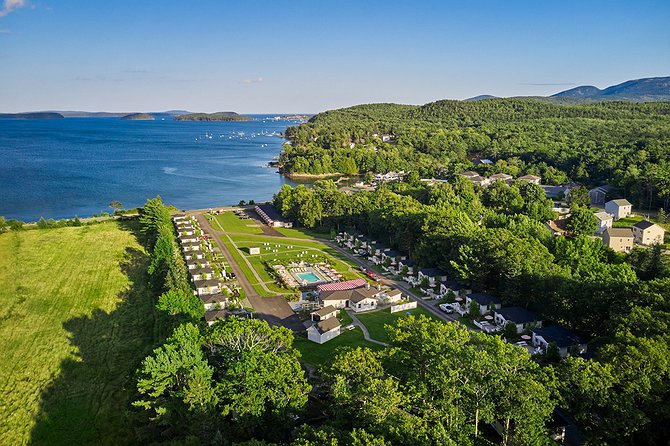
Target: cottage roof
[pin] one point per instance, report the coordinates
(211, 316)
(346, 285)
(213, 298)
(500, 176)
(560, 335)
(203, 270)
(328, 324)
(197, 262)
(530, 178)
(408, 263)
(325, 311)
(518, 315)
(620, 202)
(432, 272)
(485, 299)
(354, 295)
(619, 232)
(602, 216)
(393, 292)
(470, 173)
(644, 224)
(392, 253)
(206, 283)
(271, 211)
(378, 246)
(453, 285)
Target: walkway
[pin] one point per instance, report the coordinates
(364, 329)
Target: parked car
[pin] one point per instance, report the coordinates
(447, 308)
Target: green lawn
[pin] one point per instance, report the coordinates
(320, 354)
(303, 233)
(75, 322)
(375, 320)
(627, 222)
(233, 223)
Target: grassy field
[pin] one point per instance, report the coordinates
(320, 354)
(375, 321)
(75, 322)
(233, 223)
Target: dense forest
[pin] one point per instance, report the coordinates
(494, 240)
(619, 143)
(241, 382)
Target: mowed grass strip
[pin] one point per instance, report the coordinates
(75, 322)
(376, 320)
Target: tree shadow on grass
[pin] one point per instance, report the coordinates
(89, 401)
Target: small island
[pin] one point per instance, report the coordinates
(32, 115)
(138, 117)
(219, 116)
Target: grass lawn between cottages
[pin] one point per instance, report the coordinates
(75, 322)
(375, 321)
(318, 355)
(287, 250)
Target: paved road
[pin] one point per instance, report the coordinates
(401, 285)
(275, 310)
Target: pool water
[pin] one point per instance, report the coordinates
(309, 277)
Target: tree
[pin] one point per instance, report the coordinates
(3, 224)
(662, 216)
(115, 205)
(473, 311)
(582, 222)
(509, 331)
(241, 203)
(553, 353)
(578, 197)
(175, 302)
(42, 223)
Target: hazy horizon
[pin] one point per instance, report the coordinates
(266, 57)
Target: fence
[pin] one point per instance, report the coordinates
(402, 307)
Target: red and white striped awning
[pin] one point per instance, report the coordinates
(340, 286)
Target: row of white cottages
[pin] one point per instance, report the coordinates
(207, 286)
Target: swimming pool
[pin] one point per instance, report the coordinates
(309, 277)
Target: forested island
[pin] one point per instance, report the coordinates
(219, 116)
(619, 143)
(138, 117)
(32, 115)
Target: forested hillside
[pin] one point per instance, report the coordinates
(619, 143)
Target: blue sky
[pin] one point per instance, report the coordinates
(308, 56)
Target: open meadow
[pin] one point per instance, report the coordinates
(75, 322)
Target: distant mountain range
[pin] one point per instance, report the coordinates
(639, 90)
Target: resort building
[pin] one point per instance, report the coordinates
(214, 301)
(598, 195)
(324, 331)
(648, 233)
(522, 318)
(531, 179)
(358, 299)
(618, 239)
(203, 287)
(324, 313)
(485, 302)
(501, 177)
(619, 208)
(212, 316)
(565, 340)
(271, 216)
(605, 221)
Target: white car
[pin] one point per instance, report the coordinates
(447, 308)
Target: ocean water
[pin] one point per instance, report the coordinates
(77, 166)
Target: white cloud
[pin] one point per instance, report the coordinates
(11, 5)
(258, 80)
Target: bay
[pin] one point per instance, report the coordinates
(77, 166)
